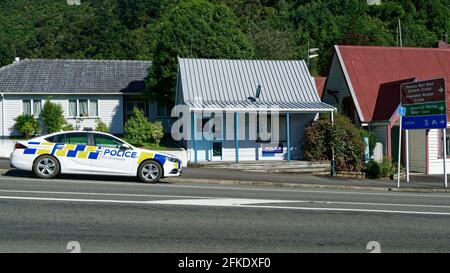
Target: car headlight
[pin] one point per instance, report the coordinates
(174, 160)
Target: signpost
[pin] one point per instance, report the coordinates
(422, 106)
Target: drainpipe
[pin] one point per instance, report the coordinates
(3, 114)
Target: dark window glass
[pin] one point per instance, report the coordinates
(217, 149)
(77, 138)
(107, 141)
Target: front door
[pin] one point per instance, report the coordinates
(112, 158)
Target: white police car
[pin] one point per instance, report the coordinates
(91, 153)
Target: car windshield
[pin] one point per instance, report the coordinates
(107, 141)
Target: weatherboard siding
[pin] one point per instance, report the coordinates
(434, 153)
(417, 151)
(380, 132)
(110, 110)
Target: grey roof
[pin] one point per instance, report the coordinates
(74, 76)
(230, 84)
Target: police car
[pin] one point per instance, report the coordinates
(91, 153)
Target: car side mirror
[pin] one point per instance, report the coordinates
(125, 147)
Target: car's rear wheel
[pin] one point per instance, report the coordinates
(150, 171)
(46, 166)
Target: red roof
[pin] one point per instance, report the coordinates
(320, 84)
(371, 69)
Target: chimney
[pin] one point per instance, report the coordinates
(16, 60)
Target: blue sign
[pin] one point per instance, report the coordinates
(402, 111)
(424, 122)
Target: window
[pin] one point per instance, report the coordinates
(130, 105)
(61, 138)
(83, 108)
(77, 138)
(161, 111)
(26, 107)
(37, 107)
(217, 149)
(73, 108)
(93, 108)
(107, 141)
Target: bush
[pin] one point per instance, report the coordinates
(138, 128)
(53, 116)
(68, 127)
(27, 125)
(157, 132)
(372, 139)
(321, 138)
(100, 126)
(381, 169)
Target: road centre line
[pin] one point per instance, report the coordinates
(165, 202)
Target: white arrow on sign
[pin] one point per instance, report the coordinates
(441, 90)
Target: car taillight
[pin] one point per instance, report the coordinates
(20, 146)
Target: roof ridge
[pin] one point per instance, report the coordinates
(89, 60)
(225, 59)
(393, 47)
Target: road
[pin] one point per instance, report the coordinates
(122, 215)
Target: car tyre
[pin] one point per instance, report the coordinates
(46, 167)
(150, 171)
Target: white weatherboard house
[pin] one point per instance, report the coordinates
(231, 88)
(86, 89)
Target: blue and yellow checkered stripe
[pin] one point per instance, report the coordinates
(64, 150)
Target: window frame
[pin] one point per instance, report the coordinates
(78, 108)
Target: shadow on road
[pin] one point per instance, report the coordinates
(25, 174)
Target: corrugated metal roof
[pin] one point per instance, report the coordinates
(368, 67)
(74, 76)
(229, 84)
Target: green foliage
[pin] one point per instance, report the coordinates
(194, 28)
(320, 139)
(68, 127)
(53, 116)
(372, 139)
(138, 128)
(126, 29)
(100, 126)
(157, 132)
(27, 125)
(381, 169)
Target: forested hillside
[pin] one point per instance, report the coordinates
(267, 29)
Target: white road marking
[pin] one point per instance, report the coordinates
(223, 202)
(104, 194)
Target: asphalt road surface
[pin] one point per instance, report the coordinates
(122, 215)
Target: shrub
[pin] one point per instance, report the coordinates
(373, 169)
(68, 127)
(27, 125)
(321, 138)
(138, 128)
(157, 132)
(100, 126)
(53, 116)
(372, 139)
(381, 169)
(387, 169)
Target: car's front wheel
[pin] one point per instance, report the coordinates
(150, 171)
(46, 166)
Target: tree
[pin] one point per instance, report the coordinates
(100, 126)
(138, 128)
(53, 116)
(194, 28)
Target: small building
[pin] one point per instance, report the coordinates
(364, 83)
(86, 89)
(234, 94)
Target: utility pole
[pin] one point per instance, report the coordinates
(399, 37)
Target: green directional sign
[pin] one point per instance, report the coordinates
(424, 109)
